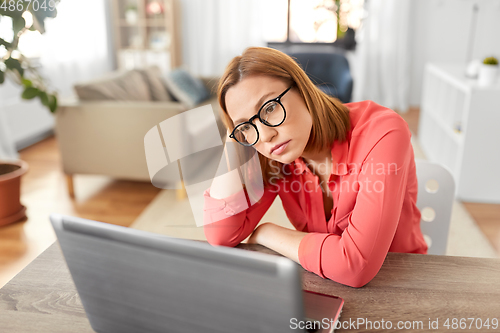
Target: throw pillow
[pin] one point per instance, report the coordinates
(184, 87)
(121, 86)
(152, 76)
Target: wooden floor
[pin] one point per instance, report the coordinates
(118, 202)
(44, 192)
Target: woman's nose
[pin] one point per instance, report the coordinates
(266, 133)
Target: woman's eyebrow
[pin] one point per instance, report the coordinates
(257, 107)
(262, 99)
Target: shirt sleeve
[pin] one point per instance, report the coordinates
(224, 226)
(355, 257)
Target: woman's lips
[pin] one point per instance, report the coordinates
(278, 149)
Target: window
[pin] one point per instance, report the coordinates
(311, 21)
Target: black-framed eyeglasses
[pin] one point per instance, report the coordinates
(272, 113)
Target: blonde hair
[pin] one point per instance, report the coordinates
(330, 118)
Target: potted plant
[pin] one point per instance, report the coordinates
(18, 68)
(11, 209)
(488, 71)
(131, 14)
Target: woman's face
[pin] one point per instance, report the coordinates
(283, 143)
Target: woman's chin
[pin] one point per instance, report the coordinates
(286, 158)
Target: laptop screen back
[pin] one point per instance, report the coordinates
(134, 281)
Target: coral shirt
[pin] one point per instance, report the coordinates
(374, 186)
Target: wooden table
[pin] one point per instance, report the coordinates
(410, 288)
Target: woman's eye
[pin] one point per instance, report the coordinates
(270, 108)
(245, 128)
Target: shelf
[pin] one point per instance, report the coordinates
(438, 145)
(144, 23)
(146, 32)
(445, 102)
(457, 137)
(130, 49)
(446, 75)
(454, 74)
(448, 97)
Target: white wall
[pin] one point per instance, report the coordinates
(26, 120)
(441, 34)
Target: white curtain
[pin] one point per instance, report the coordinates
(77, 44)
(384, 54)
(7, 144)
(215, 31)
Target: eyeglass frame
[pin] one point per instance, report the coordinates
(257, 116)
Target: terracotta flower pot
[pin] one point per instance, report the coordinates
(11, 209)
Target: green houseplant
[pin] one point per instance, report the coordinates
(488, 71)
(131, 14)
(490, 61)
(17, 67)
(13, 63)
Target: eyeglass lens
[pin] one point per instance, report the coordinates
(271, 114)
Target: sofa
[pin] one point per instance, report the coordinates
(101, 132)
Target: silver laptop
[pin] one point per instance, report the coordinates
(135, 281)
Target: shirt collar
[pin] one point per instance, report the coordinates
(300, 165)
(340, 151)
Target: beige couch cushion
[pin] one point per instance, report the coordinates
(121, 86)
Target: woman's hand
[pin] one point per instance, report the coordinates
(228, 183)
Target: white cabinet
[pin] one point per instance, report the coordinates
(460, 129)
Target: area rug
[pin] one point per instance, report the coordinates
(170, 216)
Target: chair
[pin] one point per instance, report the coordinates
(329, 71)
(436, 192)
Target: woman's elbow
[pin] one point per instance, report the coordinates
(355, 279)
(358, 283)
(215, 237)
(217, 241)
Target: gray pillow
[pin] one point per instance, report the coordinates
(152, 76)
(122, 86)
(185, 88)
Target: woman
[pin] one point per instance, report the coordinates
(345, 173)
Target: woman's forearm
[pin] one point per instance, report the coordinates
(225, 185)
(228, 183)
(282, 240)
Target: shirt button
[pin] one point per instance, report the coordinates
(228, 211)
